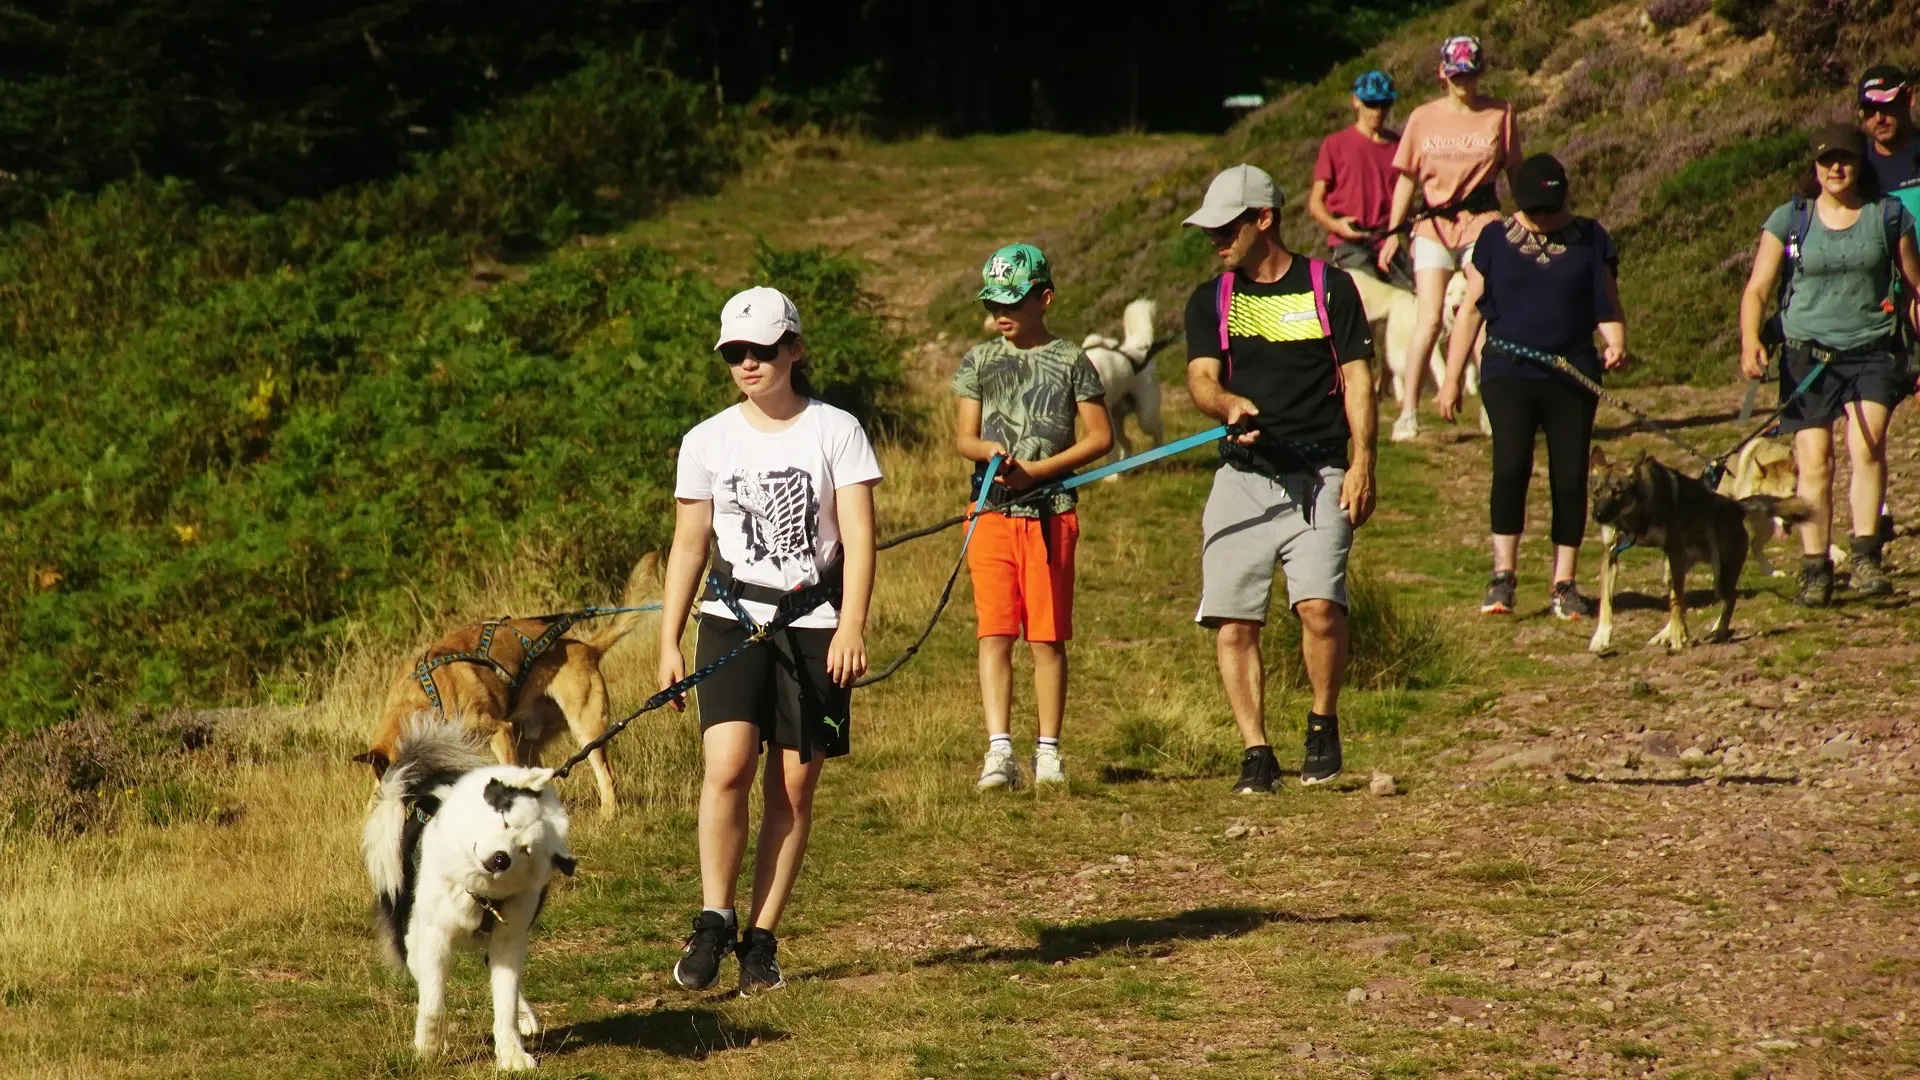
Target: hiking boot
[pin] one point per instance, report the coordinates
(1259, 772)
(1322, 762)
(759, 962)
(1047, 768)
(1406, 428)
(1869, 578)
(1499, 599)
(699, 963)
(1569, 604)
(1816, 582)
(999, 771)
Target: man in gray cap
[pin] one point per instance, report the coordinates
(1279, 344)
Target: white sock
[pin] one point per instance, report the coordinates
(1000, 742)
(724, 912)
(1046, 743)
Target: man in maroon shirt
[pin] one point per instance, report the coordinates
(1353, 182)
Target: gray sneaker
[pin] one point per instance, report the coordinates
(1816, 583)
(1500, 589)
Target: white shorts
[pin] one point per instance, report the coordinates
(1434, 255)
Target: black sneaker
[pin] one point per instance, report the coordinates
(759, 962)
(1259, 772)
(1816, 582)
(699, 963)
(1323, 750)
(1499, 599)
(1569, 604)
(1868, 576)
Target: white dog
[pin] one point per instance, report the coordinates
(1127, 371)
(1393, 313)
(460, 850)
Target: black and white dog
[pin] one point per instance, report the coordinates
(461, 849)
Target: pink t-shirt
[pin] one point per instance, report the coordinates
(1359, 176)
(1450, 153)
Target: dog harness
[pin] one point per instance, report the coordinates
(531, 649)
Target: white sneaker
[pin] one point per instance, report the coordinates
(1406, 427)
(1046, 766)
(999, 771)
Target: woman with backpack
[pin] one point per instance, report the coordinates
(1841, 264)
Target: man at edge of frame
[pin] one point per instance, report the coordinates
(1292, 488)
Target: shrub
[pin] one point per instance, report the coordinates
(1670, 13)
(1714, 178)
(1394, 646)
(72, 776)
(233, 434)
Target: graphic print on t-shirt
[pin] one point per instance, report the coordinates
(1287, 317)
(778, 512)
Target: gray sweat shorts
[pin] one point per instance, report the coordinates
(1252, 522)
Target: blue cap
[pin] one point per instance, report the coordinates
(1375, 88)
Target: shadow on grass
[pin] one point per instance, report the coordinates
(1680, 423)
(691, 1033)
(1152, 936)
(1678, 781)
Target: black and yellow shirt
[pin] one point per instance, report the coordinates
(1281, 359)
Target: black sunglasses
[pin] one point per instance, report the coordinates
(1222, 233)
(995, 307)
(735, 352)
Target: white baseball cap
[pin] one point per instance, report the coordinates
(761, 315)
(1232, 193)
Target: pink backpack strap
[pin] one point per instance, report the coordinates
(1223, 300)
(1317, 273)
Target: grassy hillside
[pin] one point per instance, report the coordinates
(1680, 139)
(235, 436)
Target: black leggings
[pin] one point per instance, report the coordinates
(1518, 408)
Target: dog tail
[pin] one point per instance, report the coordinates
(1791, 511)
(1099, 341)
(429, 753)
(643, 587)
(1137, 322)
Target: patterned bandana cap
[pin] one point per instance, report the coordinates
(1882, 85)
(1012, 273)
(1375, 88)
(1460, 56)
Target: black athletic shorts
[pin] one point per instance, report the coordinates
(1875, 374)
(780, 684)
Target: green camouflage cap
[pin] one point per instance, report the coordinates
(1013, 272)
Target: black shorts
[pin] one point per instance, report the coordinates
(780, 684)
(1877, 375)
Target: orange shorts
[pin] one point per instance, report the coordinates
(1023, 578)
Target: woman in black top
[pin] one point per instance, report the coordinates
(1544, 279)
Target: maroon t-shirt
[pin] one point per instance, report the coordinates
(1359, 175)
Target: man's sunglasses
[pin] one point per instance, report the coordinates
(995, 307)
(1220, 234)
(735, 353)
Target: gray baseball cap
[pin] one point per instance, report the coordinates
(1232, 193)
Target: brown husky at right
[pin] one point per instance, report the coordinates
(1653, 506)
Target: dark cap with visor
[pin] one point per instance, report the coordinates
(1540, 185)
(1838, 139)
(1882, 85)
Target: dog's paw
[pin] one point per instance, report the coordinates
(429, 1048)
(513, 1058)
(529, 1023)
(1602, 640)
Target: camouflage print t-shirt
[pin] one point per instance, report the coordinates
(1028, 400)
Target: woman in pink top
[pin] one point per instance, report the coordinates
(1452, 149)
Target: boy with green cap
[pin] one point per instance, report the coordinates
(1019, 397)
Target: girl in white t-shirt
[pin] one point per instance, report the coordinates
(781, 487)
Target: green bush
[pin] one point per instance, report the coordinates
(232, 434)
(1394, 646)
(1714, 179)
